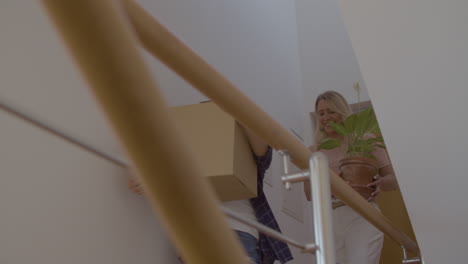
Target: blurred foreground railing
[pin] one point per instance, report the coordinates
(103, 44)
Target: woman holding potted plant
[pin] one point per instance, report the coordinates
(356, 154)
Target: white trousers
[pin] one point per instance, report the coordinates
(356, 240)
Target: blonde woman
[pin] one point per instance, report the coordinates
(356, 240)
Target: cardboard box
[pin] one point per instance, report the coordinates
(221, 149)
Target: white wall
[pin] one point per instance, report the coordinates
(254, 43)
(38, 77)
(326, 55)
(414, 60)
(60, 204)
(327, 58)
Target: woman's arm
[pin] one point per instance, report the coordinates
(385, 181)
(257, 144)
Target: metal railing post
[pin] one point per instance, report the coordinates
(319, 175)
(407, 260)
(321, 199)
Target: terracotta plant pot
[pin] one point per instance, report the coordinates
(359, 171)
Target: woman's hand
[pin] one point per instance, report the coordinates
(134, 185)
(387, 182)
(383, 183)
(377, 186)
(364, 190)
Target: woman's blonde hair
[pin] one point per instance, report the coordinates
(337, 104)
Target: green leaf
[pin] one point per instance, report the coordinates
(380, 146)
(360, 147)
(354, 129)
(350, 123)
(374, 128)
(340, 129)
(371, 121)
(329, 143)
(361, 123)
(375, 140)
(374, 125)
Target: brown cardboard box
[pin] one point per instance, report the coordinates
(221, 149)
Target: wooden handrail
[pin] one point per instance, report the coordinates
(165, 46)
(103, 45)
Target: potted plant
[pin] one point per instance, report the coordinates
(359, 165)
